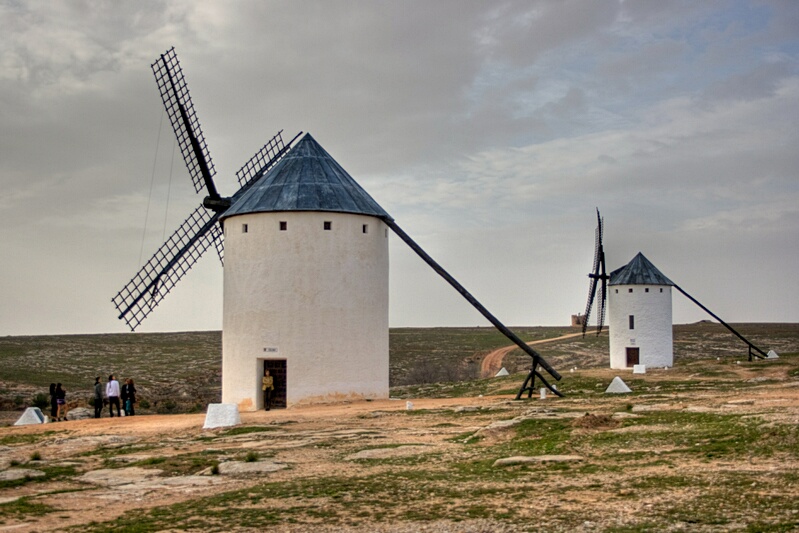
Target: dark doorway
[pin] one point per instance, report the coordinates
(277, 368)
(632, 356)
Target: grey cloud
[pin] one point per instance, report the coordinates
(490, 131)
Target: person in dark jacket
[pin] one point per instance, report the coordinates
(61, 401)
(123, 396)
(98, 397)
(53, 402)
(129, 397)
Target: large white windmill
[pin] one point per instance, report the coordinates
(638, 297)
(305, 268)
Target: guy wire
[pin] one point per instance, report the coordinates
(152, 180)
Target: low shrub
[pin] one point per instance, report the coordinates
(42, 401)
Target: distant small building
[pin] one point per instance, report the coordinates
(578, 320)
(640, 317)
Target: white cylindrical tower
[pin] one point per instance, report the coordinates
(640, 316)
(305, 286)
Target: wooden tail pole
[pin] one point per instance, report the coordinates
(760, 353)
(537, 359)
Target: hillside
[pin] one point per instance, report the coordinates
(711, 444)
(181, 372)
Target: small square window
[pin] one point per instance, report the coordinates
(328, 225)
(366, 228)
(661, 289)
(646, 290)
(283, 225)
(629, 290)
(617, 291)
(245, 228)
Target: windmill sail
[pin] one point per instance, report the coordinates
(592, 283)
(202, 228)
(598, 279)
(263, 160)
(167, 266)
(179, 107)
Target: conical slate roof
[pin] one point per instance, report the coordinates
(639, 271)
(306, 179)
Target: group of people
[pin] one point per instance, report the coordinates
(123, 397)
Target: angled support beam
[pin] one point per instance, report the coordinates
(537, 359)
(760, 353)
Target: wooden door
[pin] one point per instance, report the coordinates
(277, 369)
(632, 356)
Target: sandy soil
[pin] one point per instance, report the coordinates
(302, 440)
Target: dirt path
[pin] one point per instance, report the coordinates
(492, 363)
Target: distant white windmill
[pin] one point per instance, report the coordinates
(639, 303)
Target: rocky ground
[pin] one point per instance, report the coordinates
(710, 445)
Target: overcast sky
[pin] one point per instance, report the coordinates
(489, 130)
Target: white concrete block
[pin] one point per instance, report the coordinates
(503, 372)
(221, 415)
(32, 415)
(639, 369)
(772, 355)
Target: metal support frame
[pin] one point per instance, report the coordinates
(529, 389)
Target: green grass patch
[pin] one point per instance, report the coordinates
(246, 430)
(24, 508)
(51, 473)
(29, 438)
(175, 465)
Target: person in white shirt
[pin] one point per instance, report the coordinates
(112, 392)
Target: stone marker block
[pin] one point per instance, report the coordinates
(639, 369)
(222, 415)
(772, 355)
(502, 372)
(617, 386)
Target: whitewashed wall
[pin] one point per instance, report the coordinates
(316, 298)
(653, 324)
